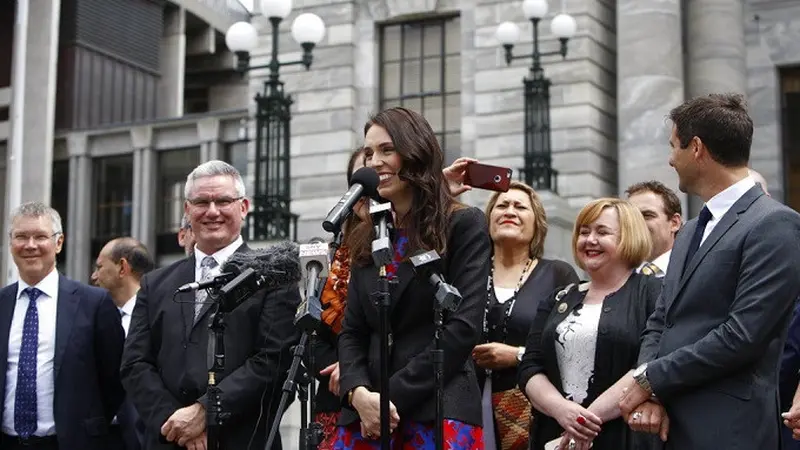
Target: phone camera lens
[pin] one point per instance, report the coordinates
(497, 178)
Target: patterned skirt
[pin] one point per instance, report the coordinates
(329, 429)
(413, 435)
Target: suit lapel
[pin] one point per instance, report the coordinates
(67, 305)
(186, 275)
(726, 222)
(8, 302)
(405, 273)
(207, 306)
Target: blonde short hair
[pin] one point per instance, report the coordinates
(634, 244)
(539, 216)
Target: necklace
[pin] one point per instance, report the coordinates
(509, 304)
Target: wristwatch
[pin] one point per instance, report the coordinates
(640, 375)
(520, 353)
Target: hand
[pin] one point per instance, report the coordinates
(495, 355)
(791, 419)
(632, 396)
(333, 383)
(368, 405)
(579, 444)
(454, 174)
(185, 424)
(650, 417)
(198, 443)
(584, 429)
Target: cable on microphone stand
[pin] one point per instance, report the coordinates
(382, 255)
(447, 298)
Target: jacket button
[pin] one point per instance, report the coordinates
(184, 392)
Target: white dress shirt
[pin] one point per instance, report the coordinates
(46, 307)
(662, 262)
(126, 311)
(220, 257)
(719, 204)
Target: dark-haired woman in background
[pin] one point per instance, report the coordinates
(402, 147)
(519, 281)
(334, 299)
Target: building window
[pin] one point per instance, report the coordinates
(173, 168)
(420, 65)
(236, 155)
(59, 200)
(113, 199)
(790, 88)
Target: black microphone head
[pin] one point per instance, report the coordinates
(279, 264)
(369, 178)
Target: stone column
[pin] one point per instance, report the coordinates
(717, 57)
(716, 48)
(649, 84)
(79, 213)
(33, 102)
(208, 130)
(143, 218)
(173, 63)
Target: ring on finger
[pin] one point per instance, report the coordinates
(572, 444)
(637, 415)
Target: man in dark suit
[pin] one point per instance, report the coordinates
(119, 268)
(165, 367)
(712, 347)
(60, 346)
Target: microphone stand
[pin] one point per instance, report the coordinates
(289, 387)
(447, 298)
(382, 254)
(215, 414)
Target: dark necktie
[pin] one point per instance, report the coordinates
(702, 221)
(25, 417)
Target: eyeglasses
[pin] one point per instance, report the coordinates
(220, 203)
(39, 239)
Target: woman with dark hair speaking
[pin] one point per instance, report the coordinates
(401, 146)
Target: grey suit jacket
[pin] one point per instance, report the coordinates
(715, 338)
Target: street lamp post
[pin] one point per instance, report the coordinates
(271, 217)
(537, 168)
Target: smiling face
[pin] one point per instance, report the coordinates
(216, 212)
(381, 155)
(34, 246)
(598, 241)
(512, 220)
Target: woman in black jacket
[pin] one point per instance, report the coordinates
(401, 146)
(585, 338)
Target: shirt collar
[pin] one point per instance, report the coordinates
(48, 285)
(221, 255)
(663, 260)
(722, 202)
(127, 308)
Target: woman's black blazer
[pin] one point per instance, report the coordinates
(411, 382)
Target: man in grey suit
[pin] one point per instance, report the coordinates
(711, 349)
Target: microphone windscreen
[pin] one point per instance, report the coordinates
(279, 264)
(369, 178)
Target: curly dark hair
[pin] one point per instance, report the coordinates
(427, 222)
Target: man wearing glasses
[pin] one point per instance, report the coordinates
(165, 366)
(60, 346)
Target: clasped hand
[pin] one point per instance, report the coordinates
(368, 406)
(186, 427)
(642, 412)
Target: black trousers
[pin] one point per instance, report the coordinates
(33, 443)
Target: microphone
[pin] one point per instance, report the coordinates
(365, 181)
(382, 252)
(428, 265)
(273, 267)
(315, 264)
(215, 282)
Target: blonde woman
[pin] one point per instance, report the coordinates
(585, 338)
